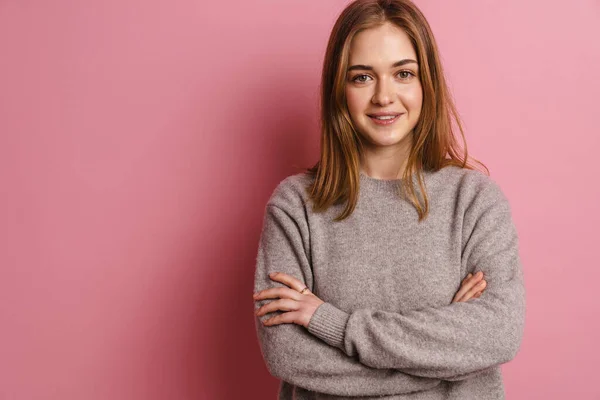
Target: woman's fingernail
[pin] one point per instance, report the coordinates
(479, 274)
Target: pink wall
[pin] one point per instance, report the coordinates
(140, 140)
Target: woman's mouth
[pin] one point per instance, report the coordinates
(385, 119)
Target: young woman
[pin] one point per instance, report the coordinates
(369, 275)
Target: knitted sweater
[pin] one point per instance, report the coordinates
(388, 328)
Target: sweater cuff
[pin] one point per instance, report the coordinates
(328, 323)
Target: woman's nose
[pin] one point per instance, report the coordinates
(383, 95)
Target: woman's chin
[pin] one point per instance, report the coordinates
(391, 141)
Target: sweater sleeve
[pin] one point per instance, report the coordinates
(290, 352)
(455, 341)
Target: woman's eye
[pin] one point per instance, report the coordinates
(357, 78)
(405, 72)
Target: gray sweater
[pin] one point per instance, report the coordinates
(388, 328)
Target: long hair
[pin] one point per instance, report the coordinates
(337, 173)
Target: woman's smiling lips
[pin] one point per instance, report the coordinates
(384, 118)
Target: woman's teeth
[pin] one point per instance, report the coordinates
(387, 117)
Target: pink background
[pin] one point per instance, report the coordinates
(140, 140)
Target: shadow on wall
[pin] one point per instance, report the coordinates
(283, 137)
(277, 136)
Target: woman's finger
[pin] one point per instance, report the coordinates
(282, 305)
(277, 293)
(467, 278)
(469, 289)
(462, 289)
(474, 290)
(467, 285)
(285, 318)
(288, 280)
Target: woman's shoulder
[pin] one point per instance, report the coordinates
(291, 191)
(469, 184)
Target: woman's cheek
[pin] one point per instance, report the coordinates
(350, 99)
(414, 98)
(354, 100)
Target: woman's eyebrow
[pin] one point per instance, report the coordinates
(394, 65)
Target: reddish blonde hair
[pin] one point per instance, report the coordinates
(337, 173)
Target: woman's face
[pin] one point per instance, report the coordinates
(383, 78)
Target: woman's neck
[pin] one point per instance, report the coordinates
(384, 163)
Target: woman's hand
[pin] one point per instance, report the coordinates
(471, 287)
(300, 307)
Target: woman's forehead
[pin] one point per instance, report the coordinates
(381, 46)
